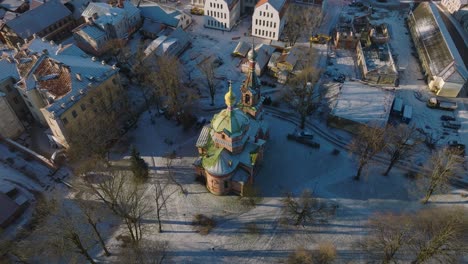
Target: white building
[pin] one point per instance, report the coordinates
(221, 14)
(269, 18)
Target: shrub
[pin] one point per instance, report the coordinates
(203, 224)
(326, 253)
(300, 256)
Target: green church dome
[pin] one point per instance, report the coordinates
(230, 120)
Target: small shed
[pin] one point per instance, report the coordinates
(241, 49)
(407, 114)
(397, 108)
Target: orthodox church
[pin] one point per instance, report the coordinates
(231, 147)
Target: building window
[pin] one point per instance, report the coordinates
(274, 25)
(91, 100)
(15, 99)
(83, 107)
(29, 103)
(65, 121)
(8, 87)
(226, 184)
(255, 31)
(260, 13)
(274, 34)
(223, 136)
(74, 114)
(114, 81)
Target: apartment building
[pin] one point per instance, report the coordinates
(221, 14)
(269, 18)
(64, 89)
(51, 20)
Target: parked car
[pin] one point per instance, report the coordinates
(447, 118)
(196, 11)
(451, 124)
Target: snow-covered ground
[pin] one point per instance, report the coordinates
(288, 167)
(28, 176)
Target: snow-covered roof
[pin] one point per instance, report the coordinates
(165, 15)
(11, 5)
(38, 45)
(35, 20)
(92, 74)
(172, 44)
(63, 72)
(364, 104)
(263, 54)
(438, 44)
(152, 26)
(8, 69)
(104, 8)
(241, 49)
(92, 31)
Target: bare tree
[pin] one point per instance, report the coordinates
(133, 206)
(368, 142)
(300, 93)
(63, 235)
(145, 252)
(306, 209)
(431, 234)
(105, 185)
(300, 21)
(441, 234)
(123, 196)
(91, 213)
(442, 166)
(389, 234)
(160, 199)
(168, 85)
(171, 176)
(207, 68)
(402, 141)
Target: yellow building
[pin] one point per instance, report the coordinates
(66, 90)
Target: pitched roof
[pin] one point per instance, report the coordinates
(8, 69)
(11, 5)
(92, 31)
(37, 19)
(167, 16)
(438, 44)
(276, 4)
